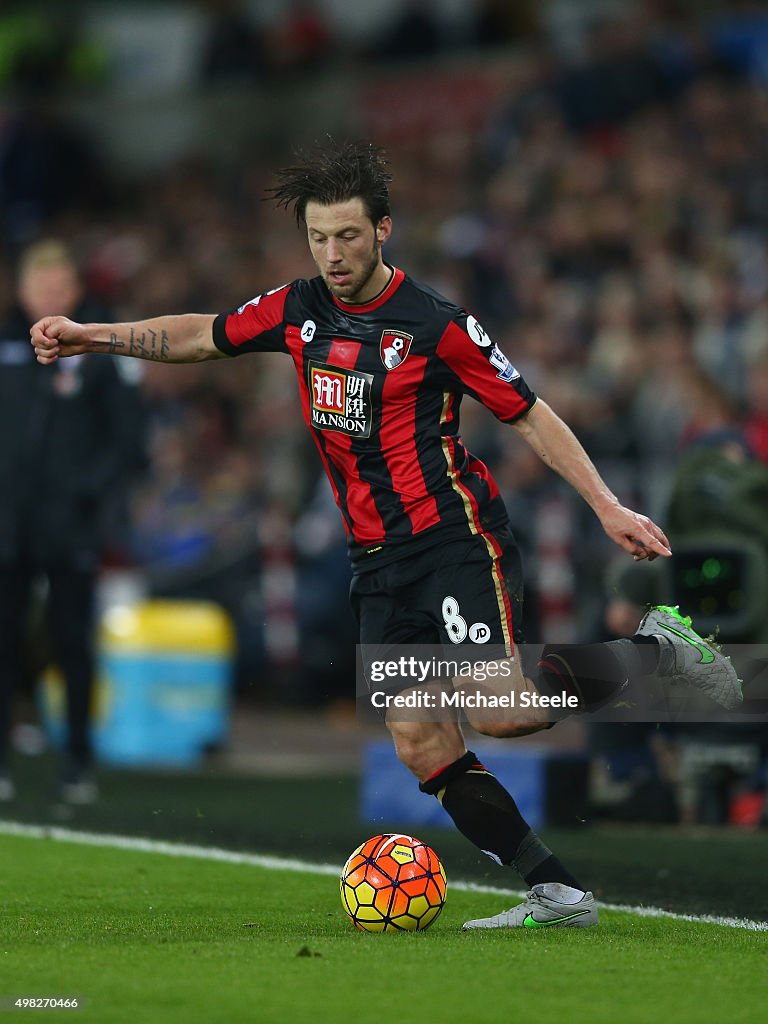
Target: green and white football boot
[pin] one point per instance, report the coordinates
(689, 656)
(547, 905)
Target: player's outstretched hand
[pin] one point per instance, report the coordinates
(55, 336)
(637, 534)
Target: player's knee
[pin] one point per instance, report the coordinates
(419, 758)
(412, 756)
(425, 750)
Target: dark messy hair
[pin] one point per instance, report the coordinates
(334, 172)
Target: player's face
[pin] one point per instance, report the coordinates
(346, 247)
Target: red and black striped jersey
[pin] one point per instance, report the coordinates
(381, 385)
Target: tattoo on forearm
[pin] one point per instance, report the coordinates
(110, 347)
(147, 345)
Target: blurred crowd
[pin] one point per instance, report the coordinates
(606, 224)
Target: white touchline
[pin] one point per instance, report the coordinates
(259, 860)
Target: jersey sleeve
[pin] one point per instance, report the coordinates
(256, 326)
(472, 364)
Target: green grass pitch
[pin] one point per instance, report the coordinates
(149, 937)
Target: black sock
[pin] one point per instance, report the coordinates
(640, 655)
(486, 814)
(590, 672)
(551, 870)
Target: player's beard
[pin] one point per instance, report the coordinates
(348, 292)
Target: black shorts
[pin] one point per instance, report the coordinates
(467, 591)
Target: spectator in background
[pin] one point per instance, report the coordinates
(235, 50)
(497, 22)
(415, 33)
(326, 631)
(33, 140)
(302, 39)
(70, 442)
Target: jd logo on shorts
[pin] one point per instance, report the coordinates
(479, 633)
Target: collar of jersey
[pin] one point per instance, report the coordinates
(365, 307)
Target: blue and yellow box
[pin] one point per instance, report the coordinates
(163, 688)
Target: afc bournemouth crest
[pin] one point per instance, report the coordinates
(394, 348)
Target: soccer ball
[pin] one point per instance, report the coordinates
(393, 883)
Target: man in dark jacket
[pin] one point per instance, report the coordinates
(68, 445)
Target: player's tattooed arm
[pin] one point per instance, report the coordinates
(186, 338)
(143, 344)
